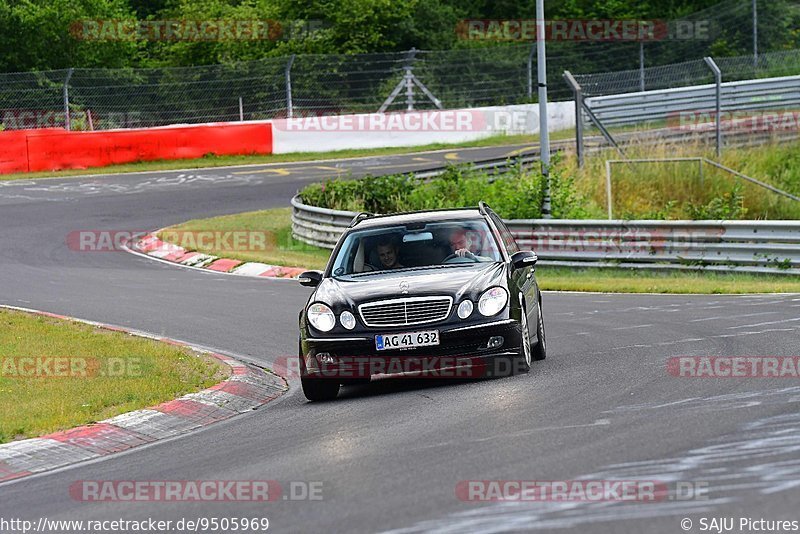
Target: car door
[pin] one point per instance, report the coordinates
(523, 280)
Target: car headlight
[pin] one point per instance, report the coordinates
(465, 309)
(348, 320)
(492, 301)
(321, 317)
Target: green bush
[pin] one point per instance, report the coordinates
(514, 195)
(729, 206)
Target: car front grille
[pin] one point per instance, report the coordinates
(407, 311)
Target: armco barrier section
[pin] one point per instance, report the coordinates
(754, 246)
(54, 149)
(667, 104)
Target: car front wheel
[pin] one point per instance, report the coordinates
(523, 363)
(319, 389)
(316, 389)
(540, 350)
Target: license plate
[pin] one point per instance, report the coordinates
(407, 340)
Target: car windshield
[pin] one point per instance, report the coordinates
(416, 245)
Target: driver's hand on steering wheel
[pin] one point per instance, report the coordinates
(463, 253)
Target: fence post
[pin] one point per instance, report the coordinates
(577, 91)
(755, 35)
(718, 80)
(530, 71)
(289, 107)
(609, 202)
(409, 78)
(241, 110)
(641, 65)
(67, 122)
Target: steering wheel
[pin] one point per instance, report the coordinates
(460, 259)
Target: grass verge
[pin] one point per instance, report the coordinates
(679, 282)
(224, 161)
(284, 250)
(56, 374)
(280, 247)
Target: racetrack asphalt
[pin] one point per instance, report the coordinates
(390, 454)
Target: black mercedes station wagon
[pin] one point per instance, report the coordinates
(443, 293)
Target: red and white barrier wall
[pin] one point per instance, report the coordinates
(55, 149)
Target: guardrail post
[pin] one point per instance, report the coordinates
(577, 91)
(67, 122)
(717, 120)
(289, 107)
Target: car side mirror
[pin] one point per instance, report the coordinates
(524, 258)
(310, 278)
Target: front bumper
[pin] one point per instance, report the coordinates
(461, 353)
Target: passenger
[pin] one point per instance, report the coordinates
(388, 253)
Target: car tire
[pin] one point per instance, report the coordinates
(540, 350)
(522, 363)
(319, 389)
(316, 389)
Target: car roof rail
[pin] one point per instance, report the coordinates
(358, 218)
(483, 207)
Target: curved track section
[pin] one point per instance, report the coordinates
(391, 454)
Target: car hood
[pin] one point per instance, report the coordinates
(455, 281)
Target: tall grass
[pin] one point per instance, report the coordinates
(679, 190)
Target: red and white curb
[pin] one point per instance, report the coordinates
(153, 247)
(248, 388)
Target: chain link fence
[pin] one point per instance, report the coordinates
(266, 89)
(688, 73)
(276, 87)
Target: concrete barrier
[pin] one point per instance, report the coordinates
(378, 130)
(56, 149)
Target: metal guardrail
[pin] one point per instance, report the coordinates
(665, 104)
(749, 246)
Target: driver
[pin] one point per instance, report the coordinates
(465, 247)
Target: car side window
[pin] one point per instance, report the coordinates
(505, 234)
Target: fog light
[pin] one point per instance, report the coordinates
(495, 342)
(465, 309)
(324, 358)
(348, 320)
